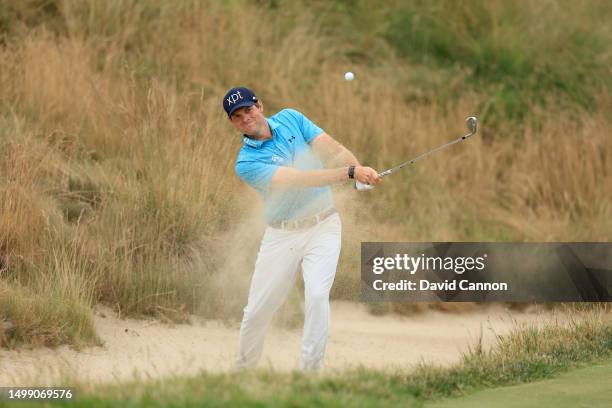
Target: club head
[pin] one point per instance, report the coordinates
(472, 124)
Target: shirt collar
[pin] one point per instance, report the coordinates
(258, 143)
(252, 142)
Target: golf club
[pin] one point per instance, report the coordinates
(472, 125)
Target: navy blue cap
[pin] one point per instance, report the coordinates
(237, 98)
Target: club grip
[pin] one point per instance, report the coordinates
(359, 186)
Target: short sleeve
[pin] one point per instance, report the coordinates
(256, 174)
(307, 127)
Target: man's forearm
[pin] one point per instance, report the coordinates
(344, 157)
(333, 153)
(287, 177)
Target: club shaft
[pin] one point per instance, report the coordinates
(422, 156)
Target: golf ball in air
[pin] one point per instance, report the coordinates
(349, 76)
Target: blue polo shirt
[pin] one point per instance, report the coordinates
(258, 160)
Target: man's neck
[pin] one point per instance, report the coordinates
(265, 136)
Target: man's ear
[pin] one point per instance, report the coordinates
(259, 105)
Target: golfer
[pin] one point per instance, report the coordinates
(281, 158)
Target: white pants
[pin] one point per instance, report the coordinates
(317, 249)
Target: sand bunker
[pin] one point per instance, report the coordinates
(149, 349)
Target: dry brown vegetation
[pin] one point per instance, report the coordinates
(116, 161)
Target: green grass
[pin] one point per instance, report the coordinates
(516, 50)
(585, 387)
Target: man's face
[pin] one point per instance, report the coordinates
(250, 120)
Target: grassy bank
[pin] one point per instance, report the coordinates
(116, 162)
(586, 386)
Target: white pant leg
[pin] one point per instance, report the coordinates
(319, 266)
(274, 276)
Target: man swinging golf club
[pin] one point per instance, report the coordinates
(281, 158)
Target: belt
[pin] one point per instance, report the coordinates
(302, 223)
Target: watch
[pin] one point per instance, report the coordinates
(351, 171)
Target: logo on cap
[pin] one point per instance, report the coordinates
(237, 98)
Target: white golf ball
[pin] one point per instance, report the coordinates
(349, 76)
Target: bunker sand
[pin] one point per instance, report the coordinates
(147, 349)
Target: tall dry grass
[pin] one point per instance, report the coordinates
(117, 162)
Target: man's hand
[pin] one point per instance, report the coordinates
(367, 175)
